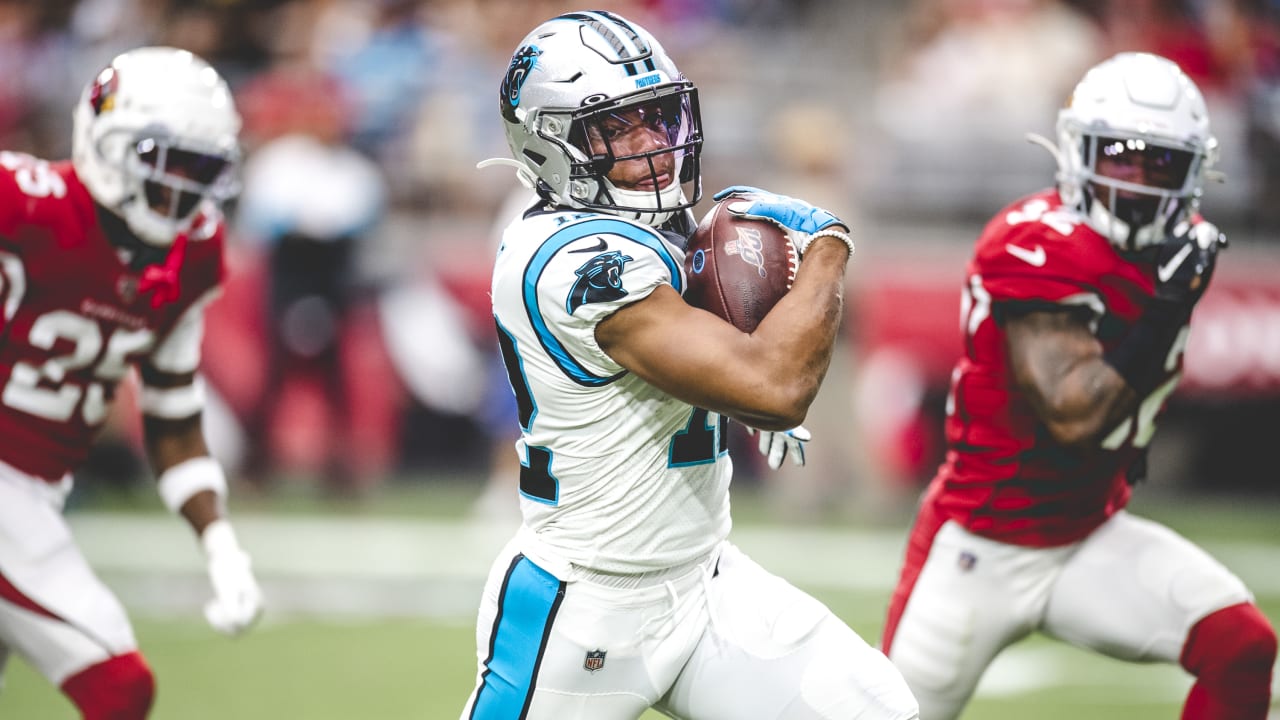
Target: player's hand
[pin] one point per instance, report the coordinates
(237, 600)
(1186, 261)
(777, 446)
(802, 221)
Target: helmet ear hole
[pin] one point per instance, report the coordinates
(600, 164)
(537, 158)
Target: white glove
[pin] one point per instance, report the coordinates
(778, 445)
(237, 600)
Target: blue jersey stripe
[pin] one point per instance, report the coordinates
(538, 264)
(527, 608)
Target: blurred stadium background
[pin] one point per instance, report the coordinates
(358, 406)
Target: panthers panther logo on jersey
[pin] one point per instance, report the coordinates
(599, 280)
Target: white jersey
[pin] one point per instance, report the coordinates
(617, 476)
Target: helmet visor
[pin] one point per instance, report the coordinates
(641, 143)
(176, 179)
(1140, 162)
(200, 167)
(1139, 181)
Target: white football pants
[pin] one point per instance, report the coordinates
(1131, 590)
(720, 639)
(54, 611)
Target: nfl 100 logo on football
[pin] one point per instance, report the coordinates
(594, 660)
(749, 247)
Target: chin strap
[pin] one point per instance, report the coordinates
(162, 280)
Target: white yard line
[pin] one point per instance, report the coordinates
(405, 549)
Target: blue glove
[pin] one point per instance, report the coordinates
(801, 221)
(778, 445)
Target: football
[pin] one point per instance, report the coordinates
(738, 268)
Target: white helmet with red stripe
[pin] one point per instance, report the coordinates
(155, 135)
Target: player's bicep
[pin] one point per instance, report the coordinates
(171, 389)
(689, 354)
(1057, 364)
(172, 405)
(1044, 344)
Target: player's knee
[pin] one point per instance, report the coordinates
(119, 688)
(1233, 641)
(836, 685)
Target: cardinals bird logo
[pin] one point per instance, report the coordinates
(103, 95)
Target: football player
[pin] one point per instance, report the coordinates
(107, 262)
(1075, 316)
(620, 591)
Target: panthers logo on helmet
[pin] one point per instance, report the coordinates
(599, 280)
(103, 95)
(517, 72)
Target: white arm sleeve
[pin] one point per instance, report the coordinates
(179, 352)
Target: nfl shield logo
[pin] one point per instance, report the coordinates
(594, 661)
(127, 289)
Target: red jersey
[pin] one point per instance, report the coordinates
(1004, 476)
(72, 319)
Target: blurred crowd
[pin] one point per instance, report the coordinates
(353, 342)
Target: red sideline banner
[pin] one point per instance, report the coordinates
(1235, 339)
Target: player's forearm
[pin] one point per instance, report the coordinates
(191, 482)
(1086, 402)
(801, 329)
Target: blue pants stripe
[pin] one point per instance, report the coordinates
(527, 608)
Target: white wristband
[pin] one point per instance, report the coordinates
(839, 234)
(219, 539)
(179, 483)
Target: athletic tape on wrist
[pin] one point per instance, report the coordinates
(219, 538)
(179, 483)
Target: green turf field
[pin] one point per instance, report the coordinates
(387, 670)
(308, 665)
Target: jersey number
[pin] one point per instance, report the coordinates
(1060, 221)
(43, 391)
(701, 441)
(34, 177)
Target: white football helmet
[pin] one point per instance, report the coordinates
(154, 136)
(1142, 109)
(577, 71)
